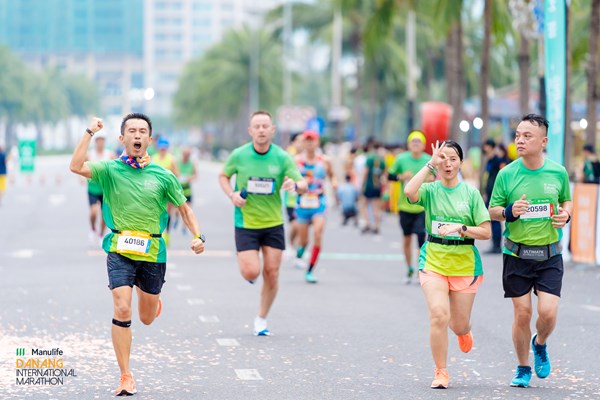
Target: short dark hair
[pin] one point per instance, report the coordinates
(589, 147)
(536, 120)
(294, 135)
(261, 112)
(490, 142)
(136, 116)
(456, 147)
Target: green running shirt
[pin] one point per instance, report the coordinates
(545, 188)
(405, 162)
(461, 204)
(136, 199)
(262, 176)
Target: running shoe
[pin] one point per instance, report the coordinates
(441, 379)
(158, 308)
(300, 263)
(92, 238)
(541, 360)
(409, 275)
(260, 327)
(310, 278)
(465, 342)
(522, 377)
(126, 386)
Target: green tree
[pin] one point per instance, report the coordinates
(215, 88)
(14, 83)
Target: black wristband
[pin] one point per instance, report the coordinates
(88, 130)
(508, 214)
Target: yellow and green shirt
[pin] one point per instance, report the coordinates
(262, 176)
(461, 204)
(136, 200)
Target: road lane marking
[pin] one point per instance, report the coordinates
(393, 257)
(194, 302)
(184, 288)
(590, 307)
(362, 256)
(22, 253)
(248, 374)
(228, 342)
(57, 199)
(209, 318)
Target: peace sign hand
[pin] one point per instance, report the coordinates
(437, 157)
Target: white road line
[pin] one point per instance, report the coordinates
(228, 342)
(184, 288)
(22, 253)
(590, 307)
(195, 302)
(209, 318)
(174, 274)
(248, 374)
(57, 199)
(393, 257)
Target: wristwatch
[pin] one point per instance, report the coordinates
(464, 228)
(201, 237)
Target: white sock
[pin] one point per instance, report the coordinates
(260, 324)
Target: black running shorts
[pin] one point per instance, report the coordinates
(123, 271)
(520, 276)
(412, 222)
(254, 239)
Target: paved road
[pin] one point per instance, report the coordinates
(360, 333)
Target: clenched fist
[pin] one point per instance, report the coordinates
(96, 124)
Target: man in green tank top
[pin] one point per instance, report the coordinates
(262, 169)
(136, 192)
(532, 194)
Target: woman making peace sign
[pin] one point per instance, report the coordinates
(450, 269)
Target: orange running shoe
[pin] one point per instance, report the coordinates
(441, 379)
(465, 342)
(158, 308)
(126, 386)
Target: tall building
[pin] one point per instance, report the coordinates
(100, 39)
(133, 49)
(176, 31)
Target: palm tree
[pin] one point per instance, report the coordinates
(217, 85)
(593, 93)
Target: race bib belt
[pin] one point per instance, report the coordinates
(310, 201)
(539, 210)
(134, 242)
(260, 185)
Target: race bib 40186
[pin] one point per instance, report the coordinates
(133, 242)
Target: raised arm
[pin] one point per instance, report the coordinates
(78, 164)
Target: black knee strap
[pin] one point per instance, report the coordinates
(122, 324)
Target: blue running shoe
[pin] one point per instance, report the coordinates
(310, 278)
(541, 361)
(522, 377)
(264, 332)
